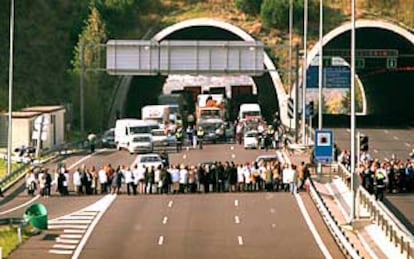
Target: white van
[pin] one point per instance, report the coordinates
(250, 111)
(125, 129)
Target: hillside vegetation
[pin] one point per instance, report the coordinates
(49, 36)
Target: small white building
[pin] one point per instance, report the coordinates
(27, 127)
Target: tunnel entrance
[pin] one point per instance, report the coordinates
(145, 90)
(388, 82)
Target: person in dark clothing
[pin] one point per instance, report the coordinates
(1, 193)
(233, 177)
(60, 183)
(201, 178)
(166, 180)
(164, 158)
(48, 183)
(220, 177)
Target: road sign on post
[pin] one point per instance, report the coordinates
(324, 146)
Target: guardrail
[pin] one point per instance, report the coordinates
(392, 227)
(11, 221)
(337, 232)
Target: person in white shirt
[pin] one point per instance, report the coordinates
(157, 179)
(77, 181)
(247, 177)
(129, 180)
(140, 174)
(136, 174)
(103, 180)
(290, 177)
(240, 178)
(183, 178)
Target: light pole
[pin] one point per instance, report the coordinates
(320, 65)
(81, 92)
(10, 126)
(290, 56)
(305, 66)
(353, 110)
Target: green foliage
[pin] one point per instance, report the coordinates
(249, 6)
(275, 13)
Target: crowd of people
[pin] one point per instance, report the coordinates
(379, 176)
(271, 176)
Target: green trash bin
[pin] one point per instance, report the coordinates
(36, 215)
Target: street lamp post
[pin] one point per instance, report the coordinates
(10, 117)
(353, 110)
(82, 79)
(305, 66)
(320, 64)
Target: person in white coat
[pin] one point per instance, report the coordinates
(103, 180)
(183, 178)
(77, 181)
(129, 180)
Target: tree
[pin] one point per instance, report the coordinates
(249, 6)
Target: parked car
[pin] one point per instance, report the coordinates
(148, 160)
(140, 143)
(108, 138)
(159, 137)
(266, 158)
(250, 139)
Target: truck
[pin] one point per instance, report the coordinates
(210, 106)
(125, 129)
(158, 113)
(250, 111)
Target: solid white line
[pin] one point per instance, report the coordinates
(236, 203)
(20, 206)
(78, 231)
(70, 236)
(170, 203)
(64, 246)
(240, 239)
(236, 219)
(164, 220)
(160, 240)
(60, 252)
(67, 241)
(312, 228)
(109, 199)
(67, 226)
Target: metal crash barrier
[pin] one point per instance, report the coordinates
(395, 231)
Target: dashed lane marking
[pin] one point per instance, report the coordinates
(164, 220)
(61, 252)
(240, 239)
(236, 219)
(407, 144)
(160, 240)
(386, 131)
(236, 203)
(375, 151)
(396, 138)
(61, 246)
(170, 204)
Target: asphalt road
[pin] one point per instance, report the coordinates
(383, 143)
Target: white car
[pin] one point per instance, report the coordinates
(251, 139)
(159, 137)
(148, 160)
(266, 158)
(140, 143)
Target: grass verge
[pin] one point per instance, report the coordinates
(3, 168)
(9, 240)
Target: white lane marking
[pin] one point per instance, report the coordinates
(273, 225)
(64, 246)
(74, 231)
(68, 221)
(20, 206)
(312, 228)
(70, 236)
(103, 204)
(38, 196)
(164, 220)
(80, 217)
(272, 210)
(236, 203)
(87, 213)
(407, 144)
(236, 219)
(57, 226)
(348, 130)
(396, 138)
(67, 241)
(170, 204)
(375, 151)
(60, 252)
(160, 240)
(240, 239)
(386, 131)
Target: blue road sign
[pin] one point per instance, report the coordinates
(334, 77)
(324, 142)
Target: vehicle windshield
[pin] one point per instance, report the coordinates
(251, 134)
(147, 159)
(158, 133)
(142, 139)
(247, 114)
(109, 134)
(210, 126)
(140, 129)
